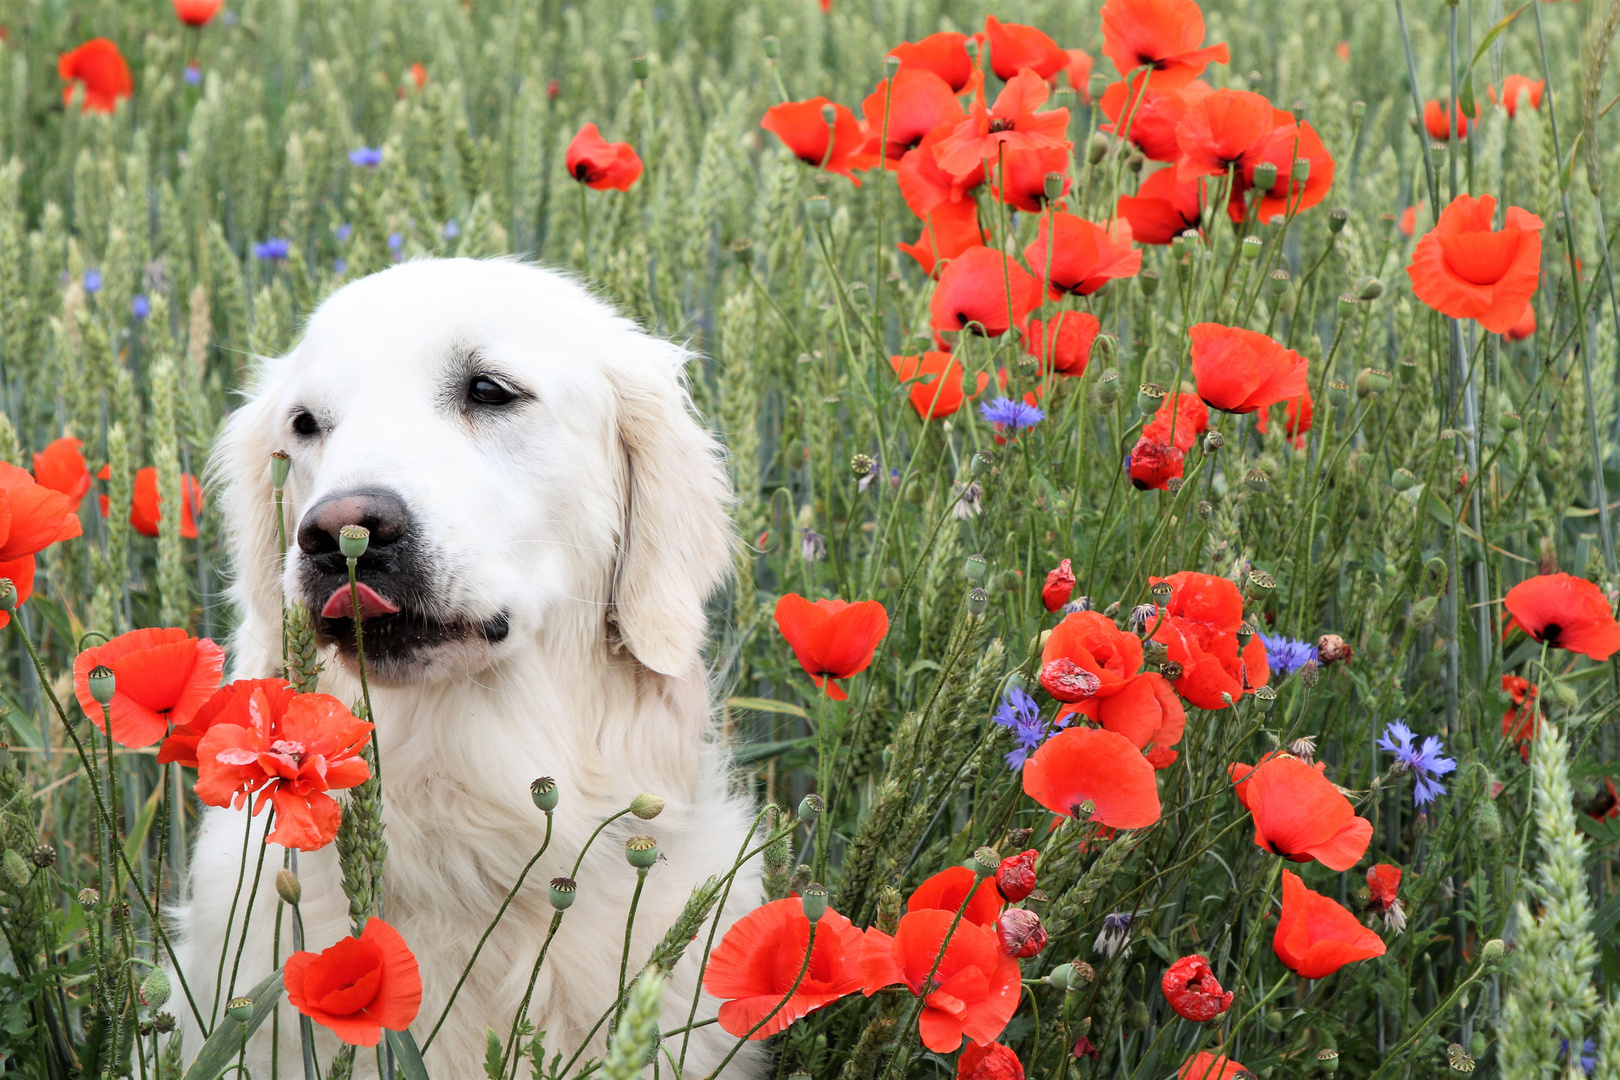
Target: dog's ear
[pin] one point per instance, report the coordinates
(677, 544)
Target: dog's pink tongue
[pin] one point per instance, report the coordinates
(372, 603)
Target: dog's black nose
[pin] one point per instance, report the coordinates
(382, 512)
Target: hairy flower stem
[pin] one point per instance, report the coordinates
(629, 925)
(488, 930)
(809, 951)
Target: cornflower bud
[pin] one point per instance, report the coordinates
(562, 893)
(103, 683)
(974, 568)
(239, 1009)
(353, 541)
(811, 807)
(647, 806)
(641, 851)
(1337, 217)
(1052, 186)
(814, 902)
(1149, 396)
(288, 887)
(1309, 672)
(1149, 281)
(280, 466)
(817, 208)
(1265, 176)
(545, 794)
(1251, 247)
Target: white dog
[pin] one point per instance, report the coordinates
(546, 522)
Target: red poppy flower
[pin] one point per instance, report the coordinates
(758, 960)
(1012, 122)
(1080, 765)
(599, 164)
(921, 101)
(1200, 631)
(1467, 270)
(197, 12)
(1207, 1066)
(1315, 936)
(1437, 121)
(833, 639)
(1014, 47)
(61, 467)
(1515, 85)
(992, 1062)
(1162, 35)
(418, 74)
(1085, 256)
(1181, 418)
(946, 890)
(1565, 612)
(1382, 882)
(32, 516)
(1222, 131)
(290, 758)
(1408, 222)
(1015, 877)
(1521, 722)
(1153, 116)
(1091, 640)
(359, 986)
(1163, 207)
(937, 393)
(1077, 65)
(1239, 371)
(1287, 143)
(944, 53)
(973, 294)
(1020, 179)
(975, 989)
(949, 229)
(99, 67)
(163, 678)
(1146, 711)
(1526, 326)
(145, 511)
(1070, 348)
(804, 130)
(924, 185)
(1300, 815)
(1152, 464)
(1294, 424)
(1605, 804)
(1059, 586)
(1191, 989)
(227, 705)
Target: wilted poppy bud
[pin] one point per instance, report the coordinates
(811, 807)
(1309, 672)
(1015, 877)
(280, 466)
(1149, 281)
(103, 683)
(155, 988)
(288, 887)
(1097, 148)
(982, 462)
(545, 794)
(1328, 1058)
(1190, 987)
(239, 1009)
(817, 208)
(641, 851)
(1067, 681)
(1058, 978)
(562, 892)
(984, 862)
(1251, 247)
(975, 568)
(1107, 392)
(1021, 933)
(1059, 586)
(1052, 186)
(353, 541)
(1256, 480)
(43, 857)
(1083, 1047)
(647, 806)
(772, 46)
(1265, 176)
(1149, 396)
(814, 902)
(1265, 697)
(891, 577)
(1259, 585)
(1331, 648)
(640, 67)
(977, 601)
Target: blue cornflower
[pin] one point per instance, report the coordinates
(1020, 714)
(339, 267)
(193, 74)
(396, 242)
(274, 248)
(1588, 1054)
(368, 156)
(1424, 762)
(92, 281)
(451, 230)
(1010, 413)
(343, 231)
(140, 307)
(1286, 655)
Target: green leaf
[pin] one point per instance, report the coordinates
(752, 752)
(1606, 917)
(403, 1044)
(759, 704)
(55, 617)
(1465, 95)
(143, 825)
(219, 1052)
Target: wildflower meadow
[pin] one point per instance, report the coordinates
(1175, 449)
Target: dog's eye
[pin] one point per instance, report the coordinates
(482, 390)
(305, 423)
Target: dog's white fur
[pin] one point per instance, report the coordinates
(596, 519)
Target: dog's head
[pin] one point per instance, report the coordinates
(523, 458)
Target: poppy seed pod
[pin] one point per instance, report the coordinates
(1337, 217)
(562, 892)
(977, 601)
(641, 851)
(985, 862)
(981, 463)
(1407, 368)
(280, 466)
(1245, 634)
(1338, 391)
(1437, 155)
(1251, 247)
(1265, 176)
(1096, 86)
(974, 568)
(1213, 441)
(640, 67)
(829, 113)
(545, 794)
(1256, 480)
(1259, 585)
(43, 857)
(647, 806)
(8, 595)
(1020, 933)
(1265, 697)
(891, 65)
(861, 465)
(811, 807)
(1052, 186)
(1372, 381)
(239, 1009)
(1107, 392)
(353, 541)
(1204, 508)
(772, 46)
(814, 902)
(103, 684)
(155, 988)
(817, 208)
(1149, 281)
(1149, 396)
(1301, 172)
(1347, 305)
(1096, 148)
(1277, 281)
(288, 887)
(1171, 670)
(742, 249)
(971, 47)
(1059, 978)
(1161, 591)
(1510, 421)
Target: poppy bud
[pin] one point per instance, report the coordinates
(1059, 586)
(1052, 186)
(981, 463)
(977, 601)
(817, 208)
(970, 382)
(772, 46)
(646, 806)
(353, 541)
(1096, 86)
(974, 568)
(1278, 280)
(915, 493)
(1347, 305)
(1149, 281)
(811, 807)
(641, 851)
(1510, 421)
(288, 887)
(1338, 389)
(1256, 480)
(1067, 681)
(1328, 1058)
(1403, 480)
(1097, 148)
(1015, 877)
(280, 466)
(1136, 1016)
(1107, 391)
(1265, 697)
(1251, 247)
(1265, 176)
(1492, 951)
(1331, 648)
(1021, 933)
(1149, 396)
(155, 988)
(103, 683)
(1477, 1045)
(1371, 289)
(8, 595)
(1259, 585)
(545, 794)
(1136, 161)
(1059, 977)
(984, 862)
(814, 902)
(1337, 217)
(640, 67)
(1009, 581)
(1309, 672)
